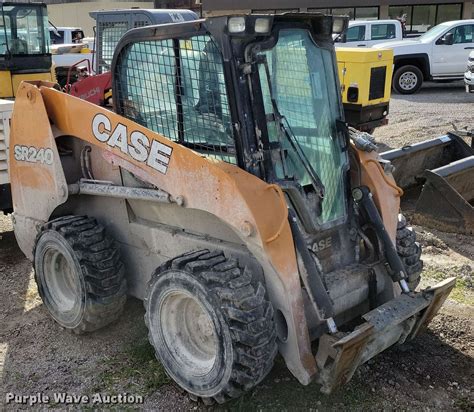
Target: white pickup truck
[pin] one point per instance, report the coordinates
(469, 75)
(65, 35)
(69, 47)
(438, 55)
(361, 33)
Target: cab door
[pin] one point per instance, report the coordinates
(355, 36)
(450, 59)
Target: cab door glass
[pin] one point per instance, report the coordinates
(303, 84)
(383, 32)
(5, 34)
(56, 36)
(355, 33)
(463, 34)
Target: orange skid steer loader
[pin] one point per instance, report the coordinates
(227, 194)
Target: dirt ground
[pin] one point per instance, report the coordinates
(433, 372)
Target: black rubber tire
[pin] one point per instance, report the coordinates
(241, 317)
(409, 251)
(402, 70)
(94, 269)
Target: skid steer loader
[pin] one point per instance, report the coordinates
(226, 193)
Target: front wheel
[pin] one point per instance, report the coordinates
(211, 325)
(407, 79)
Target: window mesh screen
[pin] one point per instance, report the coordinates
(177, 88)
(110, 34)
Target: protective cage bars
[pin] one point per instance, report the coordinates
(109, 34)
(177, 88)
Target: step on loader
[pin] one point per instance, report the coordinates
(225, 192)
(439, 175)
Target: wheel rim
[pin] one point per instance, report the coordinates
(188, 333)
(408, 81)
(61, 280)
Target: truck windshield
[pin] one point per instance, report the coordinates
(24, 30)
(432, 33)
(301, 102)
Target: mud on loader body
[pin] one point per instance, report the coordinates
(226, 194)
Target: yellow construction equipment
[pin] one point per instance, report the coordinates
(225, 191)
(366, 78)
(24, 48)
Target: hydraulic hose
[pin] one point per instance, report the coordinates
(364, 200)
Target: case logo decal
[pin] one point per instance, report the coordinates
(135, 144)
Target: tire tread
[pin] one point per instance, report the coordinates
(99, 257)
(246, 311)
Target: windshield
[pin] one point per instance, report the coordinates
(24, 30)
(301, 81)
(433, 32)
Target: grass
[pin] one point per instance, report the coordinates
(135, 370)
(462, 292)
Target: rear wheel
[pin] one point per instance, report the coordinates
(409, 251)
(407, 79)
(211, 325)
(79, 273)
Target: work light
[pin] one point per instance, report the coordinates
(236, 24)
(262, 25)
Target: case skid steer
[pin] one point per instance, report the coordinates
(227, 194)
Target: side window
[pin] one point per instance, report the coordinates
(77, 36)
(56, 37)
(183, 99)
(206, 116)
(147, 86)
(382, 31)
(109, 35)
(355, 33)
(463, 34)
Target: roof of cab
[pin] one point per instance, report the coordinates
(355, 22)
(157, 16)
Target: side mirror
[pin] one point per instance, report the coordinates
(448, 39)
(341, 38)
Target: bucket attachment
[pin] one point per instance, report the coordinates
(441, 170)
(394, 322)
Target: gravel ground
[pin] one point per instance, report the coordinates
(431, 112)
(434, 372)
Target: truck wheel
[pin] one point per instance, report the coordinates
(409, 251)
(407, 79)
(79, 273)
(211, 325)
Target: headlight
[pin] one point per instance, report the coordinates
(236, 24)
